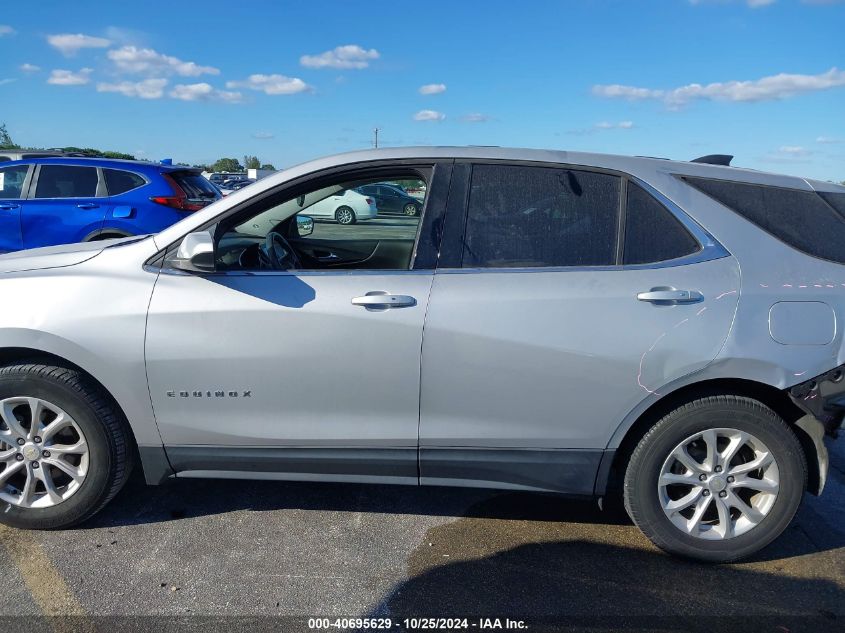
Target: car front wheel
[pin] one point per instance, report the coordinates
(65, 450)
(716, 479)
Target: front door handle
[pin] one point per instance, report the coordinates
(382, 300)
(9, 207)
(670, 296)
(87, 205)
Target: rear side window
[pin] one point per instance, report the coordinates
(11, 181)
(65, 181)
(799, 218)
(652, 233)
(119, 181)
(538, 216)
(194, 185)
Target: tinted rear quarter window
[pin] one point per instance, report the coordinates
(537, 216)
(119, 181)
(652, 233)
(195, 186)
(801, 219)
(836, 200)
(66, 181)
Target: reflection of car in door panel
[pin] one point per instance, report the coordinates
(587, 332)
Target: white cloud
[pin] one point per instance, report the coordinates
(754, 4)
(3, 82)
(475, 117)
(622, 125)
(70, 78)
(132, 59)
(29, 68)
(432, 89)
(794, 150)
(5, 29)
(769, 88)
(147, 89)
(263, 136)
(68, 44)
(272, 84)
(204, 92)
(429, 115)
(348, 56)
(828, 140)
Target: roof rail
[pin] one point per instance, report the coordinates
(714, 159)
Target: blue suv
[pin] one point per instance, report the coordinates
(48, 201)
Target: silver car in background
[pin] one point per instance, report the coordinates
(590, 325)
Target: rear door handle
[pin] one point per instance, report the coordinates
(383, 300)
(87, 205)
(9, 207)
(668, 296)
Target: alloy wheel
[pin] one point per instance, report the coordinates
(410, 209)
(718, 484)
(43, 453)
(345, 215)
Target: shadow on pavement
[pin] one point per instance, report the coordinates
(604, 587)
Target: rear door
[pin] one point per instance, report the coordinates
(545, 328)
(14, 180)
(67, 205)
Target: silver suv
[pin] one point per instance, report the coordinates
(552, 321)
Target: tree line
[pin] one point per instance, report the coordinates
(221, 164)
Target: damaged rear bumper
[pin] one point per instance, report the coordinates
(823, 400)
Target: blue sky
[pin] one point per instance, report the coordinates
(289, 81)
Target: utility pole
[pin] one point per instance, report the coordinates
(375, 137)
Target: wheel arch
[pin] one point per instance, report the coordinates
(153, 461)
(610, 476)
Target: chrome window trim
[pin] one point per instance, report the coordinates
(289, 273)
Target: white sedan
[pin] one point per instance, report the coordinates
(345, 207)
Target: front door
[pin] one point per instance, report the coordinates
(309, 369)
(12, 188)
(544, 331)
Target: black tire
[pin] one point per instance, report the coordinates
(110, 445)
(340, 215)
(642, 501)
(411, 214)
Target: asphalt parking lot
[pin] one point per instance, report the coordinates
(201, 547)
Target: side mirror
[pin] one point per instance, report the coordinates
(195, 253)
(304, 225)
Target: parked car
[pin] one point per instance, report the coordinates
(392, 199)
(345, 207)
(219, 177)
(48, 201)
(662, 331)
(7, 155)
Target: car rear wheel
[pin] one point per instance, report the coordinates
(65, 450)
(410, 209)
(716, 480)
(345, 215)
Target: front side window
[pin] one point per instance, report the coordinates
(11, 181)
(65, 181)
(336, 226)
(538, 216)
